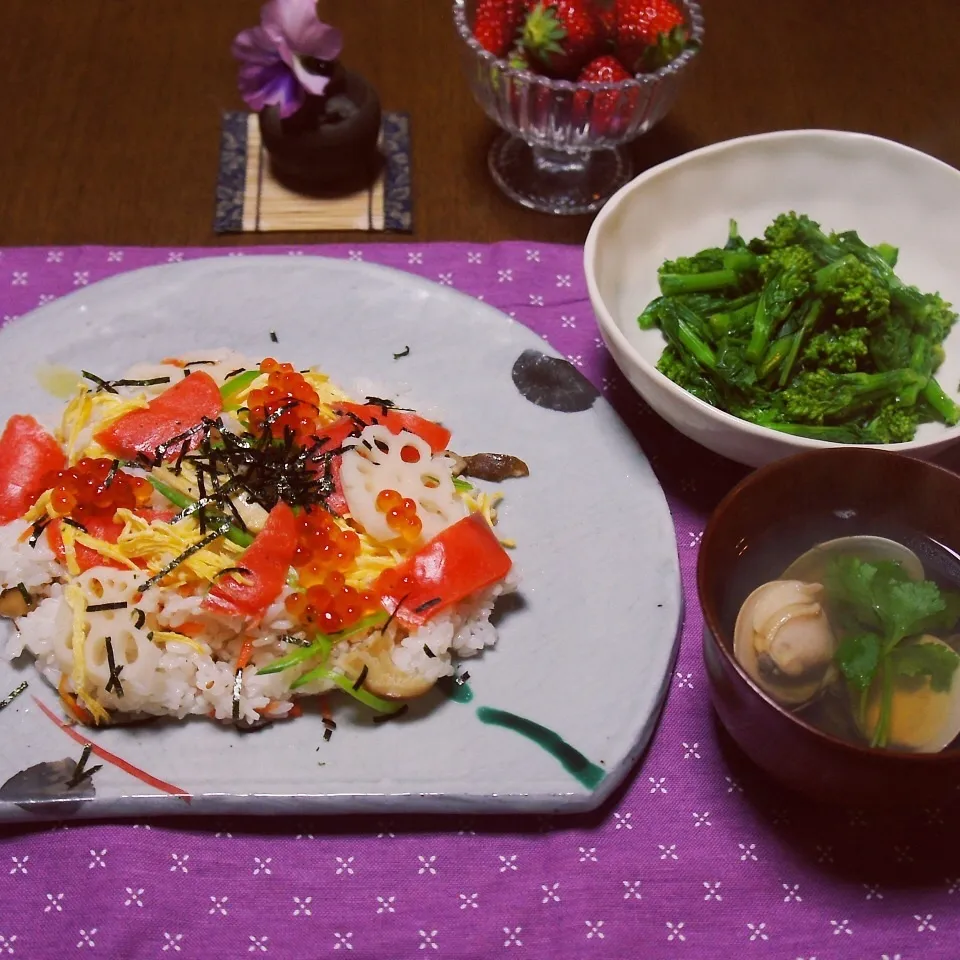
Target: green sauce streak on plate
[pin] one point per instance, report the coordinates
(571, 759)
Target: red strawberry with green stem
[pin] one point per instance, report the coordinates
(609, 107)
(561, 36)
(649, 33)
(497, 23)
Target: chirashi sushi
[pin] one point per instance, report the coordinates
(209, 536)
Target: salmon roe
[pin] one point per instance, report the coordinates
(95, 485)
(323, 547)
(332, 605)
(286, 404)
(394, 584)
(401, 514)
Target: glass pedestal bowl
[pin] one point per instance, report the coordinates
(562, 149)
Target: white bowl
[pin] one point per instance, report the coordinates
(846, 181)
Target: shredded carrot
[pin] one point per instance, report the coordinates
(70, 702)
(271, 708)
(191, 628)
(246, 653)
(173, 362)
(141, 775)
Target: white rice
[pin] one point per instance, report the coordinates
(174, 679)
(34, 567)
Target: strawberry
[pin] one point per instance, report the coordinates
(497, 23)
(605, 69)
(561, 36)
(649, 33)
(609, 106)
(607, 15)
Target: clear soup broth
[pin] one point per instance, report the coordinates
(833, 710)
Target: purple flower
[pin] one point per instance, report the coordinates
(271, 55)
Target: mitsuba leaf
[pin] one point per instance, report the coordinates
(933, 660)
(858, 657)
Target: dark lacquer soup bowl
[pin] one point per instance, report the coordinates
(807, 695)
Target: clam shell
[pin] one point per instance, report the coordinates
(789, 694)
(922, 720)
(811, 565)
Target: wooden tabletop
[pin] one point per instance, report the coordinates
(111, 110)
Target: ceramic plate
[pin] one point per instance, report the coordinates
(585, 654)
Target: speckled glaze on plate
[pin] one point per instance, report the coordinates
(585, 651)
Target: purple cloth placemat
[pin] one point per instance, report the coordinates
(697, 857)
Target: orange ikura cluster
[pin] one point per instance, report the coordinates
(332, 605)
(96, 485)
(392, 583)
(401, 514)
(286, 403)
(324, 553)
(323, 547)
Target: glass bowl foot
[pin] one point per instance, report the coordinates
(553, 181)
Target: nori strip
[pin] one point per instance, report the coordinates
(111, 476)
(81, 773)
(38, 529)
(25, 593)
(273, 336)
(202, 500)
(153, 382)
(178, 466)
(405, 352)
(427, 604)
(100, 607)
(358, 683)
(141, 619)
(296, 641)
(400, 603)
(70, 522)
(428, 652)
(237, 687)
(205, 425)
(113, 684)
(10, 697)
(189, 552)
(99, 381)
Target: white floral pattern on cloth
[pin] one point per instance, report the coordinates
(700, 856)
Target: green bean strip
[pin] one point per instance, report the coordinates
(179, 499)
(346, 684)
(237, 384)
(323, 644)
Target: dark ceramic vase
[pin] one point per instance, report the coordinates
(330, 144)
